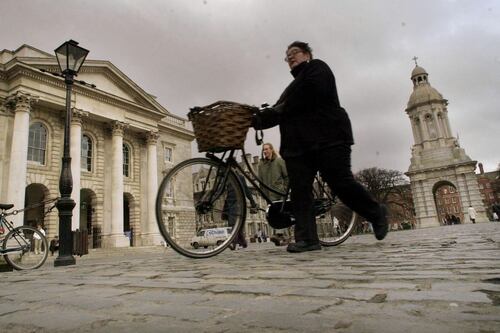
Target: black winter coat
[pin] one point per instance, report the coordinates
(309, 112)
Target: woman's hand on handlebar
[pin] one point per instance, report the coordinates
(267, 116)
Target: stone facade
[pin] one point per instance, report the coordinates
(129, 133)
(437, 158)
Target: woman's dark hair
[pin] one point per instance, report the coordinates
(303, 46)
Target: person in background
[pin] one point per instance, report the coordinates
(258, 236)
(472, 214)
(38, 239)
(54, 245)
(272, 172)
(230, 209)
(496, 210)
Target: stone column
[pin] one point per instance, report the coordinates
(438, 125)
(76, 156)
(423, 128)
(415, 129)
(20, 103)
(116, 238)
(151, 235)
(448, 127)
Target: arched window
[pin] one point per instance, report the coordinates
(37, 143)
(126, 160)
(87, 148)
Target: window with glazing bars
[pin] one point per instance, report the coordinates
(37, 143)
(86, 158)
(126, 160)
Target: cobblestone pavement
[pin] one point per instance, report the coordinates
(444, 279)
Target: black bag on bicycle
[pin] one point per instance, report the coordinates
(279, 215)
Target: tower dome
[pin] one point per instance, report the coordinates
(418, 71)
(423, 92)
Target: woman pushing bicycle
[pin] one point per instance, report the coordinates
(316, 135)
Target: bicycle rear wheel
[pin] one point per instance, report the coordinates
(20, 251)
(335, 221)
(200, 208)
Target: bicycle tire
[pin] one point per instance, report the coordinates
(19, 248)
(336, 222)
(184, 209)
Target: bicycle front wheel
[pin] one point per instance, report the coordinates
(200, 208)
(335, 221)
(25, 248)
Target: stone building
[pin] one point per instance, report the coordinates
(489, 187)
(122, 141)
(437, 160)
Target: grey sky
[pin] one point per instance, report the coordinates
(194, 52)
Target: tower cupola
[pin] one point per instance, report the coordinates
(423, 92)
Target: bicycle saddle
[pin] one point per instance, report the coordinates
(6, 206)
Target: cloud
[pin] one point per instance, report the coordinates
(195, 52)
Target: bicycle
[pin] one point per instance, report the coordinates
(18, 245)
(209, 192)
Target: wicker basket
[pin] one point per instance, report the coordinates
(221, 126)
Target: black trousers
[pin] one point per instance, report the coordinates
(334, 165)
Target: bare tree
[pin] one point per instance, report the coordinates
(381, 183)
(391, 188)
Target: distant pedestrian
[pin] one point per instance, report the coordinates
(38, 239)
(258, 235)
(272, 172)
(496, 210)
(472, 214)
(54, 245)
(230, 212)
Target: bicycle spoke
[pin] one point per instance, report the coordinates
(200, 207)
(21, 249)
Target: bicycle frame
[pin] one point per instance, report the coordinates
(221, 176)
(5, 223)
(10, 226)
(256, 182)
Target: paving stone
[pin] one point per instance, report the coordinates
(52, 319)
(186, 312)
(8, 307)
(406, 283)
(383, 285)
(444, 296)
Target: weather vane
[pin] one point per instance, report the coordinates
(415, 59)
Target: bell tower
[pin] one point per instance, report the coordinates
(439, 166)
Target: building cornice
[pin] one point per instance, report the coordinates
(429, 102)
(440, 168)
(105, 67)
(20, 69)
(176, 125)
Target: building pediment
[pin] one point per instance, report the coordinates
(107, 78)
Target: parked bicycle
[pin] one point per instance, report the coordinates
(201, 194)
(18, 245)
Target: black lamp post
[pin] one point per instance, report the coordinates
(70, 58)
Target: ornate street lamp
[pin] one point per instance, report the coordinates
(70, 58)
